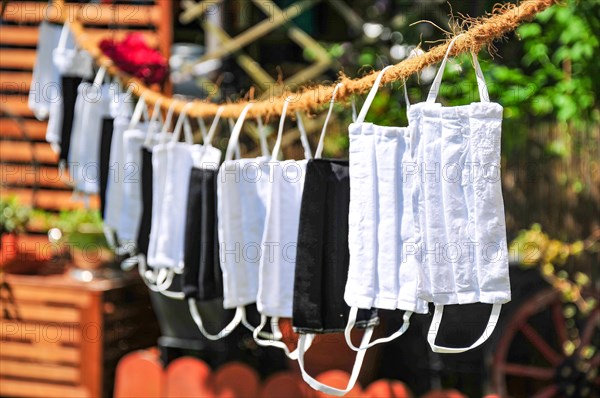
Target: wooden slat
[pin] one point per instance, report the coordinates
(19, 35)
(29, 175)
(17, 388)
(92, 14)
(25, 152)
(17, 105)
(35, 130)
(56, 373)
(45, 313)
(15, 81)
(55, 333)
(49, 200)
(31, 294)
(17, 58)
(50, 352)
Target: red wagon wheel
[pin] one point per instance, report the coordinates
(548, 350)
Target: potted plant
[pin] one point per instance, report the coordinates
(13, 221)
(81, 232)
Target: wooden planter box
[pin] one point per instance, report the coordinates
(63, 338)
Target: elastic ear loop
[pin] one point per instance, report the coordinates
(360, 356)
(319, 151)
(354, 310)
(226, 331)
(303, 137)
(213, 127)
(156, 118)
(277, 336)
(202, 126)
(277, 146)
(100, 76)
(233, 149)
(264, 147)
(437, 320)
(140, 108)
(64, 36)
(183, 121)
(164, 131)
(481, 85)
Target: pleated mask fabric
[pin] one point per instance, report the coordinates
(133, 141)
(116, 182)
(382, 273)
(45, 77)
(322, 259)
(242, 196)
(279, 240)
(461, 210)
(72, 66)
(173, 162)
(322, 255)
(84, 158)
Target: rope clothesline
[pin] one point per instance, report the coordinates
(481, 33)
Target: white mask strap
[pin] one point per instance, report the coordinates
(226, 331)
(352, 321)
(183, 121)
(277, 337)
(213, 127)
(262, 136)
(360, 356)
(437, 320)
(64, 36)
(481, 85)
(100, 76)
(319, 151)
(140, 108)
(167, 124)
(235, 133)
(353, 105)
(280, 131)
(303, 137)
(365, 108)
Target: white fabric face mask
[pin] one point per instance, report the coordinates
(85, 138)
(133, 140)
(179, 163)
(464, 253)
(66, 61)
(278, 260)
(242, 196)
(45, 77)
(381, 274)
(116, 177)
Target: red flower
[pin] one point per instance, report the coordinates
(133, 56)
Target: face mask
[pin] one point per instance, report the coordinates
(131, 210)
(242, 196)
(322, 255)
(176, 159)
(380, 217)
(45, 74)
(279, 241)
(85, 141)
(465, 255)
(113, 212)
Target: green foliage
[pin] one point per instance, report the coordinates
(13, 216)
(81, 228)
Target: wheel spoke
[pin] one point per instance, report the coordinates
(547, 392)
(532, 372)
(559, 324)
(540, 344)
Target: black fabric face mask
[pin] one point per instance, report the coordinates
(105, 144)
(143, 239)
(69, 95)
(202, 275)
(322, 255)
